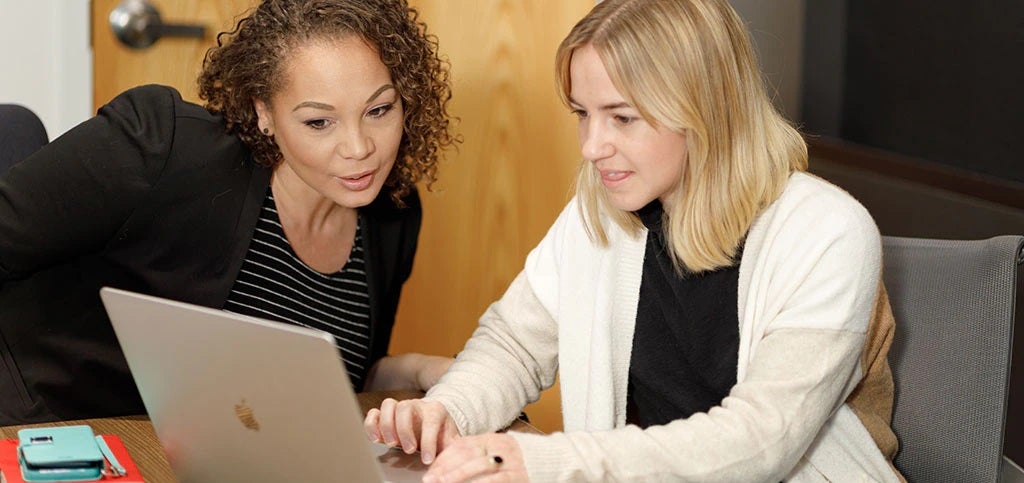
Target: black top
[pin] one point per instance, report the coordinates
(686, 340)
(275, 284)
(150, 196)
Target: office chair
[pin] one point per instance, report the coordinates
(21, 134)
(954, 306)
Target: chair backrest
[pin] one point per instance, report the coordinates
(954, 306)
(21, 134)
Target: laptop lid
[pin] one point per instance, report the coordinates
(236, 398)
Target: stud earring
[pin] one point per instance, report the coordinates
(266, 130)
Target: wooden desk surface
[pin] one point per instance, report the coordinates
(138, 436)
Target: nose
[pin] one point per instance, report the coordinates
(355, 143)
(595, 143)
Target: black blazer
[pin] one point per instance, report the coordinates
(151, 196)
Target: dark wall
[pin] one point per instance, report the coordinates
(941, 80)
(821, 103)
(938, 79)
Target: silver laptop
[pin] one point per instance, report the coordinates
(235, 398)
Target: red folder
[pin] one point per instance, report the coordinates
(10, 472)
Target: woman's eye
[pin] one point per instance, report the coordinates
(624, 119)
(580, 113)
(318, 124)
(380, 111)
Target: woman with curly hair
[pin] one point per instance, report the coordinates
(289, 196)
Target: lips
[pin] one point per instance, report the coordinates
(613, 178)
(358, 182)
(615, 175)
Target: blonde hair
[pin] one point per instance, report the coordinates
(688, 65)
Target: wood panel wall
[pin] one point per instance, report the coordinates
(513, 174)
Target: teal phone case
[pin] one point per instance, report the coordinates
(59, 453)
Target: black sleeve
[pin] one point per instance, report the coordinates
(71, 197)
(411, 235)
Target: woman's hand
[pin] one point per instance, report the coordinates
(431, 368)
(409, 371)
(412, 424)
(487, 457)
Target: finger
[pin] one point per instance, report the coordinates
(387, 422)
(433, 421)
(449, 432)
(405, 425)
(457, 453)
(478, 466)
(371, 425)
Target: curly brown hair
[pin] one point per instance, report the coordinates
(249, 63)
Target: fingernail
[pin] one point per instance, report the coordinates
(427, 458)
(409, 447)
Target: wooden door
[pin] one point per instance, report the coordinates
(510, 179)
(496, 196)
(170, 61)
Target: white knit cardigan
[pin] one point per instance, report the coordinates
(808, 278)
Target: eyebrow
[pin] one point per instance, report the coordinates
(328, 107)
(314, 105)
(606, 107)
(378, 92)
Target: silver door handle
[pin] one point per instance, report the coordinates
(137, 24)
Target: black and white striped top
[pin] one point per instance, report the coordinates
(274, 284)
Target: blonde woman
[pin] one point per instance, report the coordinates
(715, 313)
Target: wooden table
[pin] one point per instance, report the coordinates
(138, 436)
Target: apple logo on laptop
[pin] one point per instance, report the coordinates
(246, 416)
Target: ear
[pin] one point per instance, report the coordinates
(264, 121)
